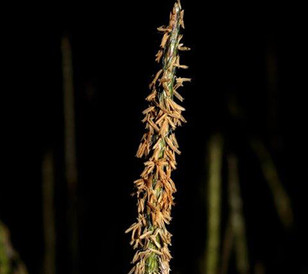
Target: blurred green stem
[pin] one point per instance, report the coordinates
(49, 214)
(237, 217)
(214, 204)
(70, 151)
(4, 260)
(270, 172)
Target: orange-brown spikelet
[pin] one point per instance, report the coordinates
(155, 188)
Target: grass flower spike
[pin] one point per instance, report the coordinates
(155, 188)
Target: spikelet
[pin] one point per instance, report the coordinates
(155, 188)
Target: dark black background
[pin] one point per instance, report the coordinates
(113, 47)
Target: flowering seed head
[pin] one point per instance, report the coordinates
(155, 188)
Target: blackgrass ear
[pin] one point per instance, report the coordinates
(155, 188)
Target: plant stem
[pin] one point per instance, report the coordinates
(214, 204)
(70, 152)
(237, 217)
(281, 198)
(49, 214)
(4, 260)
(10, 261)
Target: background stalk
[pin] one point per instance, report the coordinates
(10, 262)
(214, 205)
(70, 151)
(237, 217)
(49, 265)
(280, 195)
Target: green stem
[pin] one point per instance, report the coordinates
(214, 205)
(237, 217)
(10, 261)
(280, 195)
(4, 261)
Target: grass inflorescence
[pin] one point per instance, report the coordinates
(155, 188)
